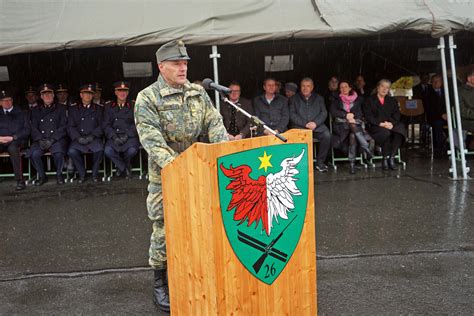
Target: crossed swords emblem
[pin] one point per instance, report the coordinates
(268, 250)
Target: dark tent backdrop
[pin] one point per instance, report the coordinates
(389, 55)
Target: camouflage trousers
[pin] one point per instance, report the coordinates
(154, 204)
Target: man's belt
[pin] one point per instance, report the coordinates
(179, 147)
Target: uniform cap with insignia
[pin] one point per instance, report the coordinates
(122, 85)
(61, 88)
(46, 87)
(87, 88)
(5, 94)
(30, 89)
(174, 50)
(97, 86)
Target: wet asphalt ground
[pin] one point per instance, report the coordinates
(399, 242)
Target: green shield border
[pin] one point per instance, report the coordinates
(287, 244)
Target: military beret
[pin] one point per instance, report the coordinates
(87, 88)
(5, 94)
(30, 89)
(122, 85)
(46, 87)
(174, 50)
(61, 88)
(291, 86)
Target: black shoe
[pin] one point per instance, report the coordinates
(60, 180)
(128, 174)
(81, 180)
(119, 173)
(368, 154)
(321, 167)
(391, 163)
(352, 168)
(161, 291)
(20, 185)
(385, 163)
(95, 179)
(41, 181)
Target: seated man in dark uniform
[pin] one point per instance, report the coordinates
(236, 123)
(31, 97)
(308, 111)
(14, 132)
(272, 108)
(49, 133)
(85, 130)
(62, 95)
(122, 138)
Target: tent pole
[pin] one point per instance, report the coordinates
(214, 56)
(451, 152)
(457, 110)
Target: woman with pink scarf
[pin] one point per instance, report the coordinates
(348, 134)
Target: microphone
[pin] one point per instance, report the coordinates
(210, 84)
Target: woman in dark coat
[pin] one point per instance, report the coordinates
(346, 111)
(382, 114)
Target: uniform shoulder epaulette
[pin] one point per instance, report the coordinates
(108, 102)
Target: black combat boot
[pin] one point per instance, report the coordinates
(160, 290)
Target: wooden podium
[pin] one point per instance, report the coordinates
(205, 276)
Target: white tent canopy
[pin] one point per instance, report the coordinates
(34, 25)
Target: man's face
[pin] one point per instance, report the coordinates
(333, 83)
(62, 96)
(470, 80)
(234, 92)
(289, 93)
(30, 97)
(98, 95)
(425, 79)
(437, 83)
(174, 71)
(306, 87)
(86, 97)
(47, 97)
(360, 82)
(121, 95)
(6, 103)
(269, 86)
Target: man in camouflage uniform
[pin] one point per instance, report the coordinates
(170, 115)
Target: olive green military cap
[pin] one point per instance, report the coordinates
(174, 50)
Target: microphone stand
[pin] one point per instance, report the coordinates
(254, 118)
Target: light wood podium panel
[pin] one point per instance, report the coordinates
(205, 276)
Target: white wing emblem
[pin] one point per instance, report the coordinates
(281, 188)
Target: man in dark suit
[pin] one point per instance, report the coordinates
(119, 127)
(236, 124)
(271, 108)
(49, 133)
(308, 111)
(85, 131)
(14, 132)
(436, 113)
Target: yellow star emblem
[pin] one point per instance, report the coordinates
(265, 161)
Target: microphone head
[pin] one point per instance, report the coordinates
(206, 83)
